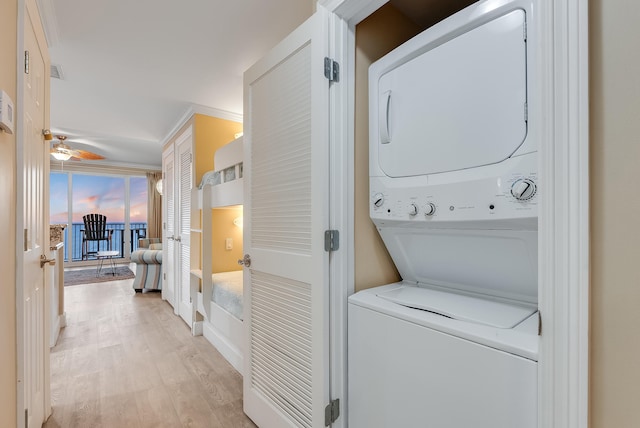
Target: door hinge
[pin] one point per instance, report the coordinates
(164, 276)
(26, 62)
(526, 112)
(331, 240)
(331, 70)
(331, 412)
(524, 30)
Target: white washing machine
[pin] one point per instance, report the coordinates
(454, 184)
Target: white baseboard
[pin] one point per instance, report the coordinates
(196, 330)
(228, 350)
(55, 332)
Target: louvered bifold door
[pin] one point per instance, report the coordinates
(286, 213)
(184, 146)
(169, 215)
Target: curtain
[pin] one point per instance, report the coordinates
(154, 206)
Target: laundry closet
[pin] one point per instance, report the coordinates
(450, 184)
(285, 96)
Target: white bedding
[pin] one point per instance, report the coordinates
(227, 292)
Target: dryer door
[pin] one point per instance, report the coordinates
(460, 104)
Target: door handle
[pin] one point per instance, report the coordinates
(383, 117)
(44, 260)
(245, 261)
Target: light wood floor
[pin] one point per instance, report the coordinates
(125, 360)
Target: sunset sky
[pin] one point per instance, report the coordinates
(97, 194)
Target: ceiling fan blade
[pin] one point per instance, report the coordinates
(62, 148)
(83, 154)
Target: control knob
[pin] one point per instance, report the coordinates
(378, 200)
(429, 209)
(523, 189)
(413, 210)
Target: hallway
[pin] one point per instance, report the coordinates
(125, 360)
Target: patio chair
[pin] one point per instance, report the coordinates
(95, 230)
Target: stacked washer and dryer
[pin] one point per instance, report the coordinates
(453, 182)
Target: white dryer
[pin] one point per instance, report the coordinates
(454, 183)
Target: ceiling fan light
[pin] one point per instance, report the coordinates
(61, 156)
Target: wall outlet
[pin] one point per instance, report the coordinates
(228, 243)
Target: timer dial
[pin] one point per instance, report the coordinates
(413, 209)
(378, 200)
(523, 189)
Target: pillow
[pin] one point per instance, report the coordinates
(210, 178)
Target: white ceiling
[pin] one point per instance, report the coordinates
(133, 70)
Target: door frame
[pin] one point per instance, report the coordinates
(29, 8)
(563, 252)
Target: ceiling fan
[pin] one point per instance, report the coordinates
(63, 152)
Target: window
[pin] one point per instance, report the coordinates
(122, 199)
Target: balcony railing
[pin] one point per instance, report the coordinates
(137, 231)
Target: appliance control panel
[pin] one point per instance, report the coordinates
(511, 195)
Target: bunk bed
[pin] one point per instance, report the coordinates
(219, 295)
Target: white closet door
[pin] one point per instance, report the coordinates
(33, 386)
(184, 161)
(169, 229)
(286, 380)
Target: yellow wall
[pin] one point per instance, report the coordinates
(210, 133)
(226, 260)
(615, 213)
(8, 375)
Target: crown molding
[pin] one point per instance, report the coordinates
(214, 112)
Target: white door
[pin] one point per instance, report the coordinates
(183, 232)
(33, 347)
(286, 99)
(169, 227)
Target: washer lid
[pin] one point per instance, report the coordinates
(460, 307)
(499, 264)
